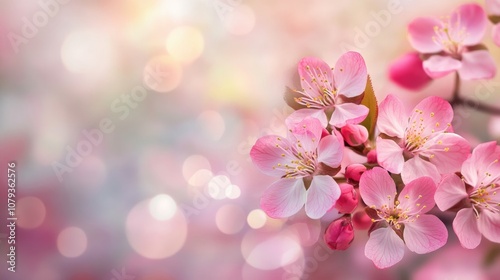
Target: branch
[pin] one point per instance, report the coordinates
(473, 104)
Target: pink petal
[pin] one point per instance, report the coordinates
(330, 151)
(393, 118)
(438, 66)
(270, 150)
(390, 155)
(477, 65)
(377, 188)
(306, 134)
(418, 196)
(489, 225)
(408, 72)
(431, 115)
(314, 75)
(299, 115)
(416, 167)
(485, 159)
(465, 227)
(495, 33)
(321, 196)
(348, 113)
(493, 7)
(447, 151)
(283, 198)
(426, 234)
(421, 32)
(472, 18)
(450, 191)
(350, 74)
(384, 247)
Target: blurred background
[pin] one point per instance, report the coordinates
(131, 122)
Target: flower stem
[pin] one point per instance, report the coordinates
(457, 100)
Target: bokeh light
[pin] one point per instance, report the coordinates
(162, 207)
(162, 74)
(72, 242)
(256, 218)
(31, 212)
(185, 44)
(230, 219)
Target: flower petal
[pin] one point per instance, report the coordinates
(321, 196)
(393, 118)
(477, 65)
(472, 18)
(270, 150)
(421, 33)
(489, 225)
(314, 75)
(438, 66)
(485, 158)
(418, 196)
(495, 33)
(390, 155)
(377, 188)
(299, 115)
(385, 248)
(416, 167)
(431, 115)
(348, 113)
(330, 151)
(283, 198)
(447, 151)
(305, 135)
(407, 71)
(493, 7)
(450, 191)
(465, 227)
(350, 75)
(426, 234)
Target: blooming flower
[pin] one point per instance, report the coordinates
(302, 161)
(452, 43)
(400, 219)
(418, 144)
(477, 191)
(325, 91)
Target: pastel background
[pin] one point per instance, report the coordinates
(180, 90)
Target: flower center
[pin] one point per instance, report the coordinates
(486, 198)
(414, 138)
(303, 162)
(317, 100)
(395, 216)
(450, 36)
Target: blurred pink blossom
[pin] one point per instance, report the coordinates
(453, 43)
(408, 72)
(401, 219)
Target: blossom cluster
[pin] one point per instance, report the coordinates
(413, 159)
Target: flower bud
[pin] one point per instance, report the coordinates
(354, 171)
(361, 220)
(339, 234)
(354, 134)
(348, 200)
(408, 72)
(371, 157)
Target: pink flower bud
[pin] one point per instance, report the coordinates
(339, 234)
(361, 220)
(354, 134)
(408, 72)
(348, 200)
(354, 171)
(372, 156)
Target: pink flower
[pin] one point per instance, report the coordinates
(408, 72)
(493, 8)
(339, 234)
(477, 190)
(354, 134)
(418, 144)
(400, 219)
(354, 171)
(348, 200)
(452, 43)
(326, 91)
(301, 161)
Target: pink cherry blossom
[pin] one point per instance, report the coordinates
(477, 190)
(325, 91)
(300, 160)
(419, 144)
(452, 43)
(408, 72)
(400, 219)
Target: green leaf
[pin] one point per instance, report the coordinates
(370, 101)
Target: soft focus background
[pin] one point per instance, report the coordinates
(131, 123)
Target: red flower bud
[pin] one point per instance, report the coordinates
(339, 234)
(354, 171)
(348, 200)
(372, 156)
(354, 134)
(408, 72)
(361, 220)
